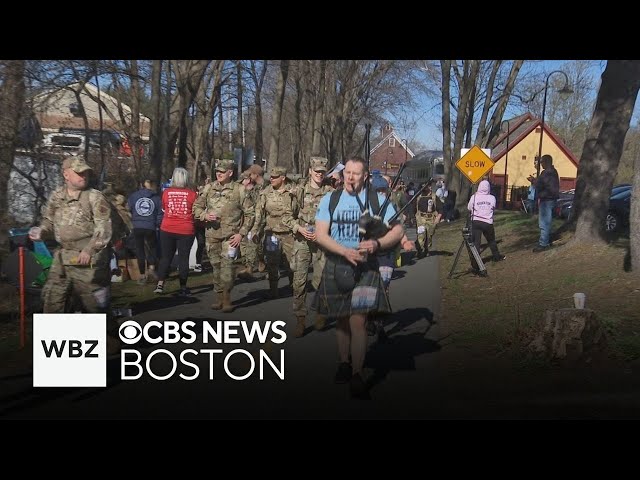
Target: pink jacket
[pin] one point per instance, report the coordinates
(482, 203)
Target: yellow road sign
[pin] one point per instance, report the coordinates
(474, 164)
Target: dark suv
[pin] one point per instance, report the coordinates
(619, 211)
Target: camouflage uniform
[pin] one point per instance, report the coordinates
(425, 218)
(249, 249)
(236, 212)
(306, 252)
(275, 212)
(79, 225)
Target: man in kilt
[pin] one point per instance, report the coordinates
(351, 286)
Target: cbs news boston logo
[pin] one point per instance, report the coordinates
(69, 350)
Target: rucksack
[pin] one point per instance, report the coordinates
(374, 204)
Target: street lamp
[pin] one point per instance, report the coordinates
(506, 160)
(565, 90)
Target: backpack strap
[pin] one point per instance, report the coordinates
(333, 203)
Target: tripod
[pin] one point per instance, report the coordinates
(467, 239)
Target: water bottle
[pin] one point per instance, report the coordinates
(232, 252)
(311, 228)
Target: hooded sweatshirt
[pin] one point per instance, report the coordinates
(482, 203)
(146, 209)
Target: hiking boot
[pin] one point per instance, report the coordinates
(358, 388)
(299, 331)
(321, 322)
(246, 274)
(343, 374)
(217, 303)
(227, 307)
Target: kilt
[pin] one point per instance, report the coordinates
(332, 303)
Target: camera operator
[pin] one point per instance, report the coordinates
(351, 286)
(481, 205)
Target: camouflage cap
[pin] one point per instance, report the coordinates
(224, 165)
(76, 164)
(319, 164)
(245, 174)
(278, 171)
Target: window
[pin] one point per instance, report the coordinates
(392, 142)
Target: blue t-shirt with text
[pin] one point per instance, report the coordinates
(344, 228)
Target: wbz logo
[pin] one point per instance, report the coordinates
(69, 350)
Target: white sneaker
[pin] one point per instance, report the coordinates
(197, 268)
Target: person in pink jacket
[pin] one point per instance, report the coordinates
(481, 205)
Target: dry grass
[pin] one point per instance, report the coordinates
(493, 315)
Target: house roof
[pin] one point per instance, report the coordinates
(518, 129)
(398, 139)
(93, 90)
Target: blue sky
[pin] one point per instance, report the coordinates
(429, 115)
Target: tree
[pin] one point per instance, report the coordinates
(603, 147)
(280, 90)
(12, 90)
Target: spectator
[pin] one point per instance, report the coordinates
(547, 187)
(177, 229)
(481, 205)
(146, 213)
(351, 286)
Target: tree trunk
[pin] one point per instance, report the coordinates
(258, 82)
(281, 85)
(11, 104)
(634, 218)
(318, 109)
(157, 142)
(603, 147)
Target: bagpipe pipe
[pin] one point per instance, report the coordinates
(371, 225)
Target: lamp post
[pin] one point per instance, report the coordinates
(565, 90)
(506, 160)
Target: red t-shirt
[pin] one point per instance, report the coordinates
(178, 217)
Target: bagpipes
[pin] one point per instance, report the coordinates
(373, 226)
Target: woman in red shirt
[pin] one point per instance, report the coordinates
(177, 229)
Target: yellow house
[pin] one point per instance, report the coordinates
(516, 149)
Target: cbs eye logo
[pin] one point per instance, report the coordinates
(130, 332)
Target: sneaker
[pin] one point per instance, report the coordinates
(197, 268)
(358, 388)
(159, 288)
(184, 292)
(499, 258)
(343, 375)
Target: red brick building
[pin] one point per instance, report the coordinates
(390, 152)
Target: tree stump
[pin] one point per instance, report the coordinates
(569, 334)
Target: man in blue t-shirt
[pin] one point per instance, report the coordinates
(340, 238)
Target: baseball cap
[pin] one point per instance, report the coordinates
(76, 164)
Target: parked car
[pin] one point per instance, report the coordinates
(619, 211)
(563, 206)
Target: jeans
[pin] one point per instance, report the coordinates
(545, 211)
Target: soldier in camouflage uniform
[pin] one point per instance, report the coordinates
(256, 173)
(305, 249)
(275, 213)
(248, 249)
(229, 216)
(79, 218)
(427, 215)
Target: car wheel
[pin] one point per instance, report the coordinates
(611, 222)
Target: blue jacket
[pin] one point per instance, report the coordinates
(146, 209)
